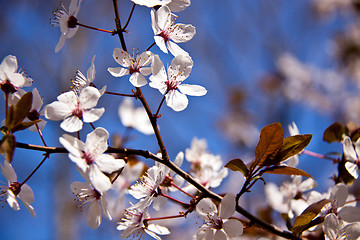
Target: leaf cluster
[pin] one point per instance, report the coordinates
(14, 122)
(271, 150)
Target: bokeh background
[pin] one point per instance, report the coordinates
(261, 62)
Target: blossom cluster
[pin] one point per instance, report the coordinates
(118, 185)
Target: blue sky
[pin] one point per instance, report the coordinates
(236, 43)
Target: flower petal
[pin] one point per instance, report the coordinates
(206, 208)
(176, 100)
(89, 97)
(96, 141)
(233, 228)
(118, 71)
(227, 206)
(93, 114)
(192, 90)
(137, 79)
(71, 124)
(94, 214)
(108, 163)
(99, 181)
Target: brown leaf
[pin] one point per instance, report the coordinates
(291, 146)
(24, 125)
(270, 143)
(238, 165)
(7, 147)
(303, 221)
(22, 108)
(334, 133)
(285, 170)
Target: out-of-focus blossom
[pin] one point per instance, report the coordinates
(288, 197)
(133, 65)
(136, 118)
(116, 195)
(171, 85)
(73, 109)
(167, 33)
(15, 189)
(90, 158)
(88, 195)
(10, 78)
(352, 154)
(331, 6)
(67, 21)
(217, 223)
(205, 167)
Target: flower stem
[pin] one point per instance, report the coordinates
(94, 28)
(178, 188)
(92, 125)
(150, 46)
(163, 218)
(40, 134)
(37, 167)
(317, 155)
(175, 200)
(158, 110)
(120, 94)
(130, 15)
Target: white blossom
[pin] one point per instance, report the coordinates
(217, 223)
(134, 223)
(136, 118)
(10, 78)
(88, 195)
(15, 189)
(352, 154)
(167, 33)
(80, 82)
(67, 22)
(174, 5)
(171, 86)
(133, 65)
(90, 158)
(73, 109)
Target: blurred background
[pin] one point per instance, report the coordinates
(261, 62)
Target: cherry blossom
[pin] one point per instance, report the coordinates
(217, 223)
(174, 5)
(136, 118)
(134, 223)
(116, 195)
(90, 159)
(205, 167)
(352, 154)
(336, 229)
(167, 33)
(10, 78)
(288, 198)
(73, 109)
(80, 82)
(67, 21)
(88, 195)
(133, 65)
(148, 186)
(15, 189)
(172, 87)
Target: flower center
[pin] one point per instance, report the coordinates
(165, 35)
(7, 87)
(171, 85)
(77, 112)
(33, 115)
(88, 158)
(15, 187)
(72, 22)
